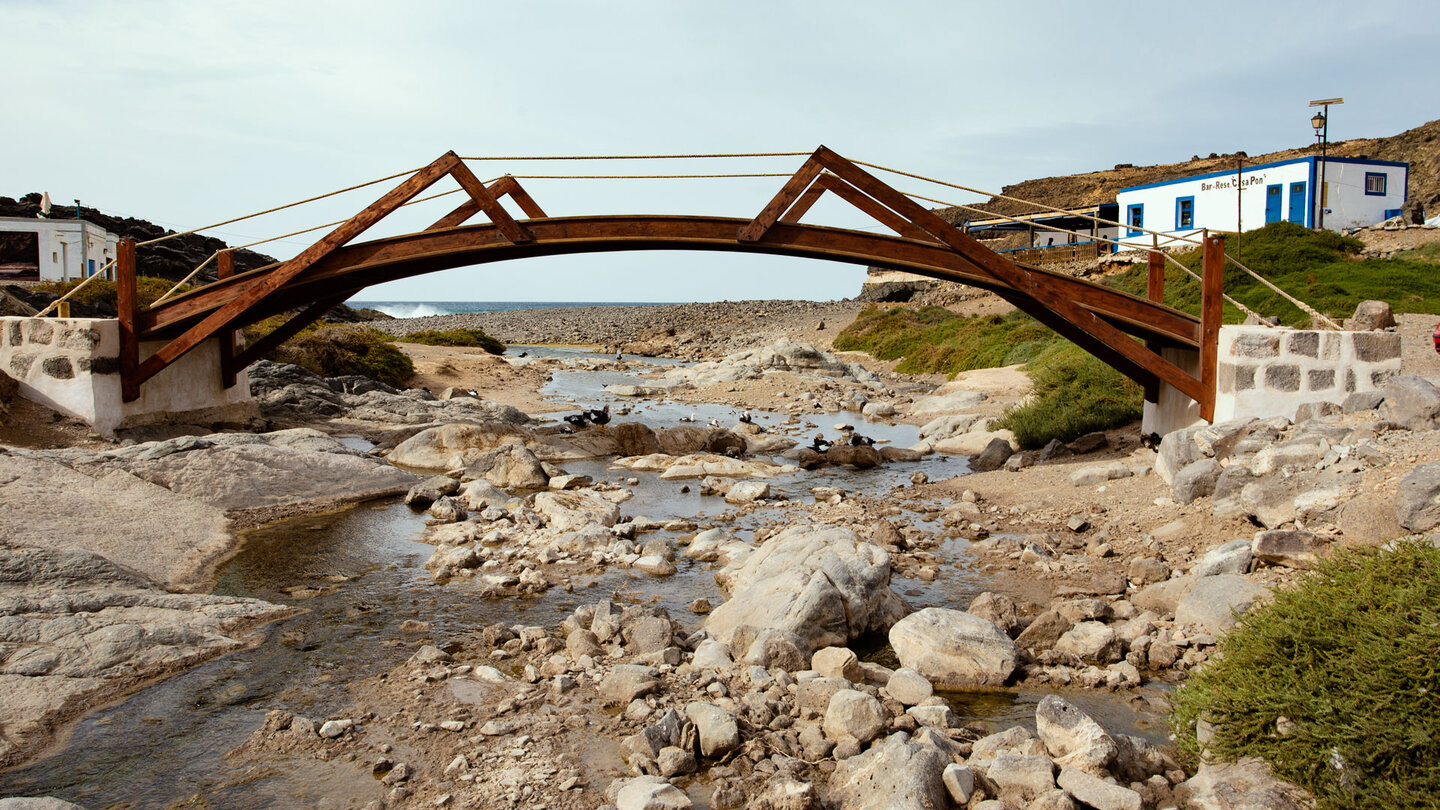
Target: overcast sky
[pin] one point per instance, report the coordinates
(187, 113)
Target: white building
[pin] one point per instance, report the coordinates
(1357, 192)
(53, 249)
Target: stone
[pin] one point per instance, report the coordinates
(1044, 631)
(837, 662)
(1228, 558)
(993, 457)
(1164, 597)
(775, 648)
(1211, 604)
(716, 729)
(446, 510)
(894, 774)
(430, 490)
(909, 687)
(457, 445)
(1091, 643)
(648, 634)
(1177, 450)
(1247, 784)
(1148, 570)
(651, 793)
(1270, 500)
(1072, 737)
(570, 511)
(1318, 409)
(954, 650)
(1290, 548)
(626, 682)
(880, 410)
(998, 609)
(674, 761)
(747, 492)
(821, 584)
(1096, 474)
(480, 495)
(854, 715)
(934, 716)
(1417, 499)
(711, 654)
(1371, 316)
(959, 782)
(1089, 443)
(37, 802)
(1411, 402)
(784, 793)
(1096, 792)
(1196, 480)
(1015, 740)
(1362, 401)
(334, 728)
(1021, 777)
(654, 564)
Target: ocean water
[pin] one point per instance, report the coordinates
(424, 309)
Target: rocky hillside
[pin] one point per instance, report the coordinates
(1420, 147)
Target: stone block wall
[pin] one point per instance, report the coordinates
(72, 365)
(1266, 371)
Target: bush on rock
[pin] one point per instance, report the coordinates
(1334, 683)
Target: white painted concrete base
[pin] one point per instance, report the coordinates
(72, 365)
(1174, 410)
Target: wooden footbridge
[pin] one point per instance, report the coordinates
(1128, 332)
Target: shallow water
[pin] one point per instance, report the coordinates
(359, 574)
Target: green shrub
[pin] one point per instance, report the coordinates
(336, 350)
(1317, 267)
(456, 337)
(1074, 393)
(1349, 656)
(102, 291)
(935, 340)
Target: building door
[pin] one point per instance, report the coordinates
(1297, 203)
(1272, 203)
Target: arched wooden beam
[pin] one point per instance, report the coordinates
(359, 265)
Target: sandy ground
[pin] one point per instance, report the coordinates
(440, 367)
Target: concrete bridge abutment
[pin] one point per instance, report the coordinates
(72, 365)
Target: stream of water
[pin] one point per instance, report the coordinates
(359, 574)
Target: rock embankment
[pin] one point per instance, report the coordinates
(687, 331)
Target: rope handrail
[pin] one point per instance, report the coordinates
(645, 176)
(640, 157)
(66, 297)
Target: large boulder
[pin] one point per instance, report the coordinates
(455, 445)
(895, 774)
(822, 584)
(571, 510)
(1248, 784)
(1228, 558)
(1371, 316)
(1211, 605)
(1412, 402)
(1072, 737)
(1196, 480)
(716, 729)
(1417, 500)
(954, 650)
(510, 466)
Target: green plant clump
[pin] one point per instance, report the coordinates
(1317, 267)
(101, 292)
(1074, 393)
(935, 340)
(456, 337)
(340, 350)
(1348, 657)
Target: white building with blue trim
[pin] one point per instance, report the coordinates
(1357, 192)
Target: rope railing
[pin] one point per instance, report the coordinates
(77, 288)
(1040, 207)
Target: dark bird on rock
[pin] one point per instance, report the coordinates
(856, 440)
(600, 416)
(745, 417)
(818, 444)
(578, 420)
(690, 418)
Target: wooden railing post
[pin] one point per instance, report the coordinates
(1212, 300)
(225, 268)
(1155, 282)
(127, 305)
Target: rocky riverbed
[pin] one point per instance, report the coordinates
(848, 622)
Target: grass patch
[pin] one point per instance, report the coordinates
(936, 340)
(337, 350)
(456, 337)
(1317, 267)
(1075, 393)
(101, 292)
(1348, 655)
(1429, 254)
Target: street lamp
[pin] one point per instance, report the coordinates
(1321, 122)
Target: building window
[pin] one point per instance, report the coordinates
(1135, 216)
(1184, 213)
(1375, 184)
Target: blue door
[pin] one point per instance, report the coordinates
(1272, 203)
(1297, 203)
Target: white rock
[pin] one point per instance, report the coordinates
(953, 649)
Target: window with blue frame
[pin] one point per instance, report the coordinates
(1184, 213)
(1135, 217)
(1375, 184)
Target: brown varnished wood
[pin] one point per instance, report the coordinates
(286, 271)
(783, 199)
(878, 212)
(1155, 276)
(225, 268)
(805, 202)
(127, 305)
(1212, 302)
(487, 202)
(289, 329)
(359, 265)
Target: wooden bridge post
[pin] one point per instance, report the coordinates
(225, 268)
(127, 305)
(1155, 282)
(1212, 301)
